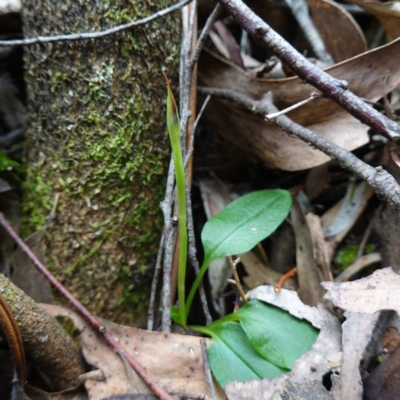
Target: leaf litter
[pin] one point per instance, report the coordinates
(173, 360)
(341, 352)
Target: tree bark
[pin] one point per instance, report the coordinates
(96, 135)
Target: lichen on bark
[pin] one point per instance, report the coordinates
(96, 135)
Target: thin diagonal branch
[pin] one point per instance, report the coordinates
(384, 185)
(332, 88)
(89, 318)
(94, 35)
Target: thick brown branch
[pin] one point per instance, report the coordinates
(309, 73)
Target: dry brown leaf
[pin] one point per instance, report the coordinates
(312, 366)
(316, 181)
(336, 27)
(309, 278)
(289, 301)
(261, 274)
(174, 361)
(379, 291)
(388, 14)
(365, 73)
(323, 250)
(356, 334)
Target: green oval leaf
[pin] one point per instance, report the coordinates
(275, 334)
(233, 359)
(244, 223)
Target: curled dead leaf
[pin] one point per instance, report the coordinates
(370, 75)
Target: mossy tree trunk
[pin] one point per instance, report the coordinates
(97, 137)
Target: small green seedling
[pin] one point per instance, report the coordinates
(259, 340)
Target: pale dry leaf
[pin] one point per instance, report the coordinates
(379, 291)
(356, 334)
(370, 75)
(323, 249)
(388, 14)
(174, 361)
(289, 301)
(309, 278)
(310, 367)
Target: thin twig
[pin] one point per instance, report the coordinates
(301, 12)
(191, 143)
(207, 369)
(166, 291)
(204, 35)
(358, 266)
(284, 278)
(94, 35)
(157, 269)
(384, 185)
(193, 255)
(166, 207)
(186, 80)
(89, 318)
(367, 233)
(313, 96)
(233, 264)
(332, 88)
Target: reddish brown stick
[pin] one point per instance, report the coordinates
(90, 319)
(284, 278)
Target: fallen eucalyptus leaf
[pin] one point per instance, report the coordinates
(177, 362)
(388, 14)
(370, 75)
(379, 291)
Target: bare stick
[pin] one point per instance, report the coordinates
(313, 96)
(89, 318)
(193, 255)
(94, 35)
(301, 12)
(157, 269)
(166, 207)
(191, 143)
(204, 35)
(207, 368)
(358, 266)
(235, 275)
(332, 88)
(384, 185)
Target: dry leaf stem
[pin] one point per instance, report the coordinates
(90, 319)
(233, 264)
(384, 185)
(332, 88)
